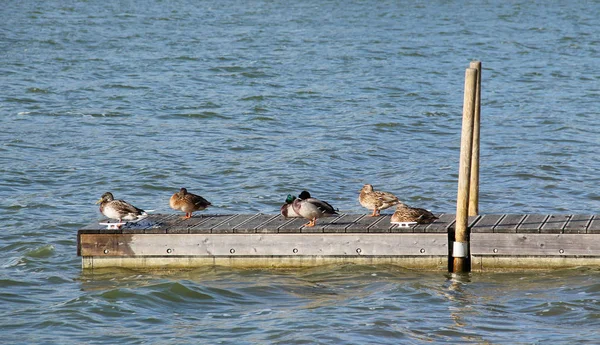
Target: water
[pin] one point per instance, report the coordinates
(247, 101)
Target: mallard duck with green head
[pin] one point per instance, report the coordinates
(376, 200)
(407, 214)
(188, 202)
(119, 209)
(287, 209)
(312, 208)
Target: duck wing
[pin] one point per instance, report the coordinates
(197, 200)
(413, 214)
(385, 197)
(125, 208)
(425, 216)
(323, 206)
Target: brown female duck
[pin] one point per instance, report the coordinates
(188, 202)
(376, 200)
(407, 214)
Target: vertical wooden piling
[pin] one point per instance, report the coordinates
(474, 184)
(460, 263)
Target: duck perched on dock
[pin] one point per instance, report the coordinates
(312, 208)
(407, 214)
(287, 209)
(376, 200)
(119, 209)
(188, 202)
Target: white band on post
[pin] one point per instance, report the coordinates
(460, 249)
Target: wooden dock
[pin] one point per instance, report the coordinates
(497, 241)
(455, 242)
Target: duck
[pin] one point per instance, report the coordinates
(376, 200)
(119, 209)
(188, 202)
(287, 209)
(312, 208)
(407, 214)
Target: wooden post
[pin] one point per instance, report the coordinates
(464, 174)
(474, 185)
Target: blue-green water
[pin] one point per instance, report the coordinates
(244, 102)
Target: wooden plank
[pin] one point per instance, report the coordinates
(99, 231)
(441, 225)
(228, 225)
(234, 245)
(594, 227)
(322, 223)
(362, 224)
(294, 226)
(510, 263)
(270, 226)
(153, 219)
(341, 223)
(106, 244)
(207, 224)
(383, 225)
(486, 223)
(425, 262)
(532, 223)
(535, 244)
(159, 220)
(179, 225)
(252, 224)
(273, 224)
(167, 224)
(415, 228)
(578, 224)
(137, 227)
(151, 222)
(311, 229)
(203, 223)
(509, 223)
(92, 231)
(471, 221)
(554, 224)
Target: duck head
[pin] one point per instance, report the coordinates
(304, 195)
(367, 188)
(106, 197)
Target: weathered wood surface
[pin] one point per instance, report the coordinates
(434, 263)
(262, 235)
(256, 240)
(353, 223)
(535, 244)
(509, 242)
(281, 244)
(474, 182)
(268, 223)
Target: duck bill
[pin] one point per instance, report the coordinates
(99, 201)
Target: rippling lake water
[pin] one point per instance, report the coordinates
(247, 101)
